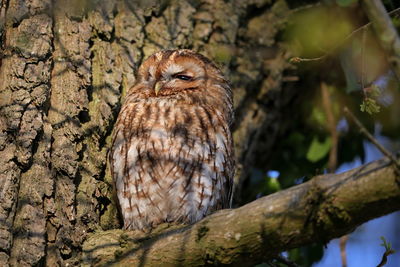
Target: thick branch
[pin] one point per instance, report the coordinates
(326, 207)
(385, 31)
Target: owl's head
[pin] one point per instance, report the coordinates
(174, 77)
(176, 72)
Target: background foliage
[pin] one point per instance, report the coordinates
(336, 50)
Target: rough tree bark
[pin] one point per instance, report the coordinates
(64, 69)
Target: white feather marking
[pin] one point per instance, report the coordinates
(206, 176)
(159, 55)
(199, 148)
(158, 134)
(173, 69)
(133, 152)
(220, 147)
(118, 162)
(194, 68)
(152, 71)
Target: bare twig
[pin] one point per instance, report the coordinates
(384, 257)
(331, 51)
(372, 139)
(388, 251)
(363, 60)
(305, 7)
(343, 242)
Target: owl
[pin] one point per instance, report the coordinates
(172, 153)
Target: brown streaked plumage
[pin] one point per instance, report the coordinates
(172, 153)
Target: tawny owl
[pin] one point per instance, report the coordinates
(172, 153)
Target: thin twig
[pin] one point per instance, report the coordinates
(384, 257)
(331, 51)
(388, 251)
(305, 7)
(363, 59)
(343, 242)
(372, 139)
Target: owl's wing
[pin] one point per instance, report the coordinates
(225, 163)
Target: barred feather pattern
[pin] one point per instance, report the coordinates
(172, 153)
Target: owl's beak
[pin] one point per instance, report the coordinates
(157, 87)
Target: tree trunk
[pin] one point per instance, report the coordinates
(64, 69)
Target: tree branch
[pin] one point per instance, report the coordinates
(326, 207)
(385, 31)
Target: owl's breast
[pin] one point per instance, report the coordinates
(175, 166)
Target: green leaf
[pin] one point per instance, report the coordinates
(346, 3)
(273, 185)
(385, 244)
(396, 22)
(318, 116)
(318, 150)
